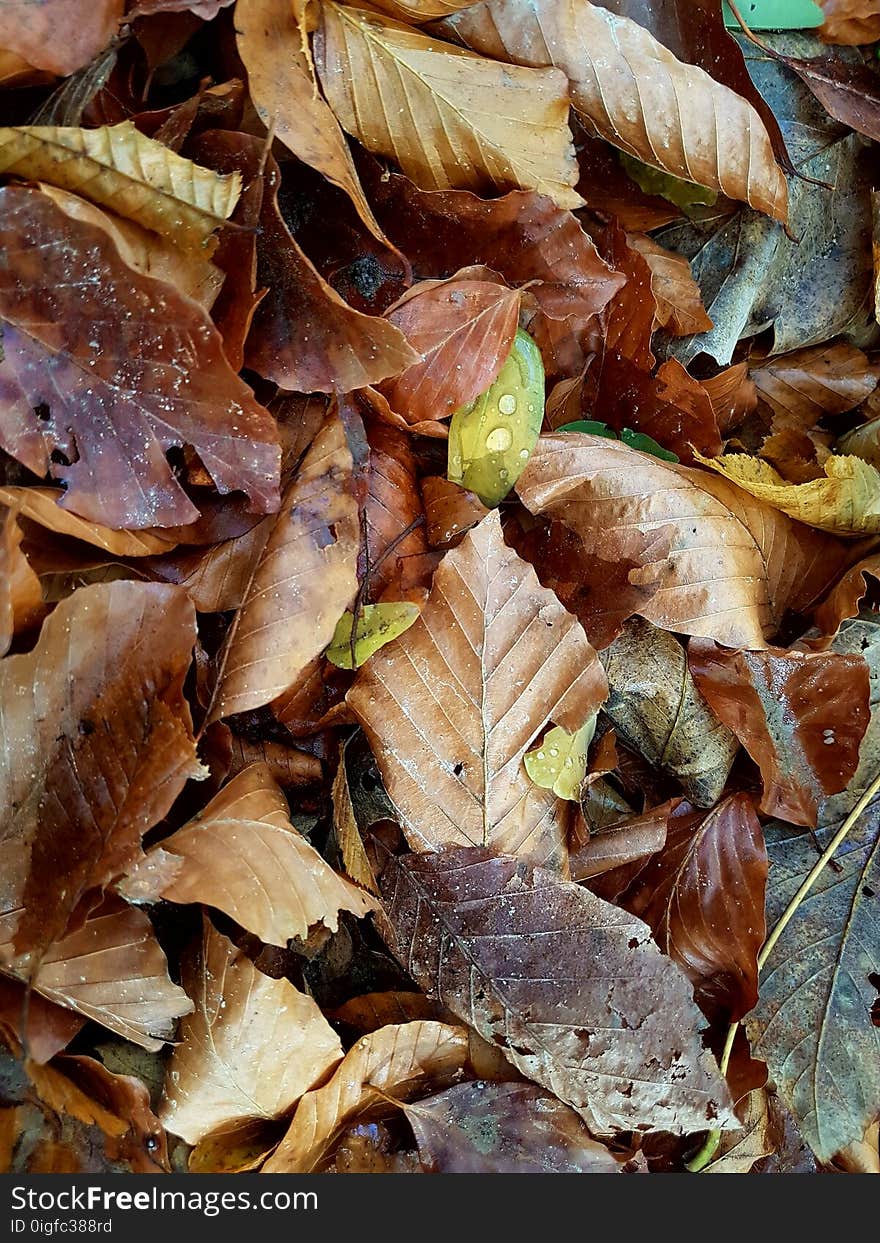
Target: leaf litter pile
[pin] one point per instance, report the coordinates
(440, 510)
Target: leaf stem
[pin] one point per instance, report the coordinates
(710, 1147)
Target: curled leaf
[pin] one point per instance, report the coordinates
(560, 762)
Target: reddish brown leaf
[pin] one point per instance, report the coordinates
(612, 857)
(392, 505)
(93, 759)
(450, 510)
(126, 368)
(850, 21)
(801, 717)
(58, 35)
(680, 307)
(21, 599)
(574, 990)
(463, 330)
(50, 1028)
(703, 897)
(825, 379)
(844, 599)
(303, 336)
(733, 396)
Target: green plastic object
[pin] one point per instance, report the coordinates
(775, 14)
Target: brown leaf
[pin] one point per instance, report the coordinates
(611, 852)
(733, 396)
(42, 505)
(850, 21)
(732, 565)
(392, 505)
(251, 1048)
(93, 759)
(504, 1128)
(680, 307)
(567, 970)
(703, 897)
(125, 367)
(304, 337)
(464, 330)
(803, 386)
(21, 598)
(450, 510)
(397, 1061)
(275, 52)
(303, 581)
(418, 11)
(287, 765)
(450, 119)
(50, 1028)
(739, 1151)
(242, 855)
(355, 859)
(801, 717)
(112, 970)
(657, 710)
(844, 599)
(218, 578)
(490, 661)
(57, 35)
(630, 90)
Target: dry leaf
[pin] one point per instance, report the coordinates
(450, 119)
(21, 598)
(92, 760)
(50, 1028)
(656, 708)
(250, 1049)
(844, 600)
(738, 1152)
(801, 717)
(123, 367)
(242, 855)
(42, 505)
(121, 169)
(57, 35)
(397, 1061)
(630, 90)
(729, 567)
(611, 850)
(112, 970)
(850, 21)
(680, 307)
(399, 565)
(803, 386)
(492, 658)
(449, 510)
(303, 580)
(568, 971)
(733, 396)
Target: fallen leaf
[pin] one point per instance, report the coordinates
(397, 564)
(377, 624)
(802, 387)
(303, 580)
(470, 123)
(863, 441)
(656, 708)
(463, 330)
(42, 506)
(702, 895)
(801, 716)
(50, 1028)
(93, 760)
(113, 971)
(126, 367)
(333, 348)
(729, 566)
(739, 1151)
(450, 511)
(844, 599)
(559, 762)
(466, 692)
(21, 598)
(677, 295)
(616, 852)
(552, 1022)
(733, 396)
(845, 502)
(397, 1061)
(56, 35)
(813, 1024)
(628, 89)
(850, 21)
(504, 1128)
(250, 1049)
(242, 855)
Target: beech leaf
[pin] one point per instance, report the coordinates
(466, 691)
(568, 971)
(560, 762)
(56, 35)
(377, 624)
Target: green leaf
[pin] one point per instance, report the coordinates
(492, 437)
(684, 194)
(635, 440)
(560, 762)
(377, 625)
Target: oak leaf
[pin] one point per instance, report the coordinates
(451, 120)
(250, 1049)
(492, 658)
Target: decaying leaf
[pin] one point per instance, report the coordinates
(42, 505)
(396, 1061)
(482, 693)
(631, 91)
(727, 566)
(568, 971)
(801, 717)
(250, 1049)
(656, 708)
(90, 761)
(850, 21)
(125, 366)
(450, 119)
(302, 582)
(244, 857)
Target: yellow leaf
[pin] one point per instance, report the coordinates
(560, 762)
(377, 625)
(491, 438)
(451, 120)
(845, 502)
(119, 168)
(863, 441)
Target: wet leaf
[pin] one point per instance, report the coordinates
(480, 697)
(56, 36)
(21, 599)
(559, 763)
(377, 624)
(250, 1049)
(676, 293)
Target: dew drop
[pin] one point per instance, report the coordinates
(507, 403)
(499, 440)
